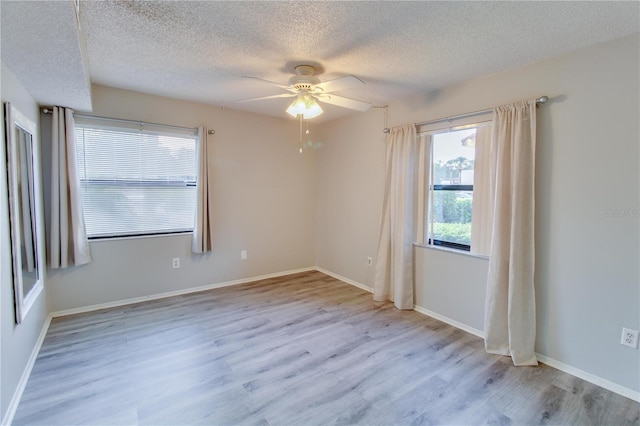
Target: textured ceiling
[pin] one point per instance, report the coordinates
(40, 45)
(200, 50)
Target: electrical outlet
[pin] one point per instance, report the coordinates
(369, 261)
(176, 262)
(629, 338)
(243, 255)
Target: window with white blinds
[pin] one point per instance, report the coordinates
(136, 178)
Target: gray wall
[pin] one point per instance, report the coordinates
(18, 341)
(451, 286)
(587, 274)
(264, 193)
(350, 186)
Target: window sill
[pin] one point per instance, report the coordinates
(452, 250)
(137, 237)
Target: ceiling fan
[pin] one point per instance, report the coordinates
(307, 88)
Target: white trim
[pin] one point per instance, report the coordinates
(452, 250)
(133, 300)
(566, 368)
(98, 240)
(31, 298)
(598, 381)
(592, 378)
(449, 321)
(22, 384)
(345, 279)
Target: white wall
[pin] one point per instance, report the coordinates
(18, 341)
(264, 193)
(587, 273)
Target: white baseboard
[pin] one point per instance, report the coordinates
(592, 378)
(345, 279)
(417, 308)
(596, 380)
(449, 321)
(131, 301)
(22, 384)
(566, 368)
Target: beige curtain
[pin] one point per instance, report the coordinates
(510, 315)
(202, 231)
(68, 243)
(404, 181)
(482, 207)
(424, 176)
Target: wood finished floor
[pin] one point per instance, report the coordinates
(304, 349)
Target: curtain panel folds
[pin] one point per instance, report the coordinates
(202, 237)
(482, 205)
(68, 243)
(510, 315)
(401, 214)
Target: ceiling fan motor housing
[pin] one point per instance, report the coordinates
(305, 78)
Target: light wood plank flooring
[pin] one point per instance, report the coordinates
(304, 349)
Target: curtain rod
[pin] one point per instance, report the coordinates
(47, 110)
(540, 100)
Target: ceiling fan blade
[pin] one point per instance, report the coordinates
(345, 102)
(271, 83)
(281, 95)
(341, 83)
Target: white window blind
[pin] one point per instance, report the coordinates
(136, 178)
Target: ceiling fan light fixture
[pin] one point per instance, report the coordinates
(306, 106)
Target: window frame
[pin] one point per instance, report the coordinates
(130, 126)
(444, 243)
(431, 129)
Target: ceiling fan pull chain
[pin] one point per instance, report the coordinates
(300, 115)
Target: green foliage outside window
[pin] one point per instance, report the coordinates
(453, 232)
(452, 206)
(452, 216)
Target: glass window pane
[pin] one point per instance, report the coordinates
(453, 163)
(454, 157)
(452, 216)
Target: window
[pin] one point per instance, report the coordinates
(453, 158)
(136, 179)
